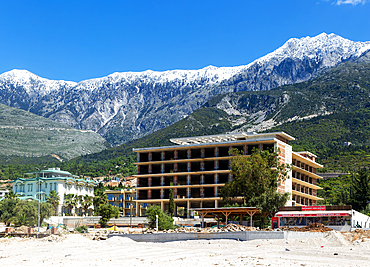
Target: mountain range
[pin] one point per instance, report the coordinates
(322, 114)
(126, 106)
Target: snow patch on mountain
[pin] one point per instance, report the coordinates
(32, 83)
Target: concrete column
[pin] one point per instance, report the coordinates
(188, 208)
(150, 168)
(202, 165)
(175, 193)
(188, 192)
(202, 153)
(150, 156)
(202, 179)
(189, 166)
(149, 181)
(189, 153)
(188, 179)
(216, 203)
(175, 180)
(163, 155)
(215, 164)
(162, 206)
(245, 149)
(216, 150)
(149, 193)
(137, 209)
(138, 157)
(176, 154)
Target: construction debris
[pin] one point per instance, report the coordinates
(313, 227)
(228, 228)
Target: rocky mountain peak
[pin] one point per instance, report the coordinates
(127, 105)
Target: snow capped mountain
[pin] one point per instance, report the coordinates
(330, 48)
(32, 83)
(128, 105)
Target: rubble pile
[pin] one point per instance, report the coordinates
(357, 235)
(53, 238)
(313, 227)
(98, 236)
(228, 228)
(21, 230)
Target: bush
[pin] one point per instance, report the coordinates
(107, 212)
(164, 220)
(82, 228)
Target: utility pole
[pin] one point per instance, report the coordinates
(39, 189)
(130, 215)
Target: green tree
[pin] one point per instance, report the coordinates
(7, 210)
(70, 201)
(11, 195)
(53, 199)
(100, 198)
(86, 201)
(256, 179)
(164, 220)
(360, 189)
(107, 212)
(171, 205)
(26, 213)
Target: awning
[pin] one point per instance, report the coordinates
(313, 213)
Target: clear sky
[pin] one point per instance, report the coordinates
(78, 40)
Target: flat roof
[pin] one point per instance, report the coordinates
(231, 210)
(308, 153)
(194, 142)
(317, 213)
(226, 138)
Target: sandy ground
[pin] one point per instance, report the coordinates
(78, 250)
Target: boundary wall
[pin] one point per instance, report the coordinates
(240, 236)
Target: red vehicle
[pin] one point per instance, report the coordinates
(274, 222)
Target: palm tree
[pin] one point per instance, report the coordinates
(53, 199)
(11, 195)
(86, 201)
(100, 198)
(71, 202)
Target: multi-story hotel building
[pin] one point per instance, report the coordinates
(197, 167)
(34, 184)
(125, 199)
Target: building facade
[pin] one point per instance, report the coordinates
(126, 200)
(197, 167)
(41, 183)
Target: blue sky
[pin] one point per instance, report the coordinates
(78, 40)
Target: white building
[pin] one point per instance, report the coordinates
(62, 182)
(3, 192)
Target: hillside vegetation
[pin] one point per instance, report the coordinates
(321, 114)
(25, 134)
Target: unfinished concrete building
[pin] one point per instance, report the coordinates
(197, 167)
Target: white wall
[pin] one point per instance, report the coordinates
(360, 219)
